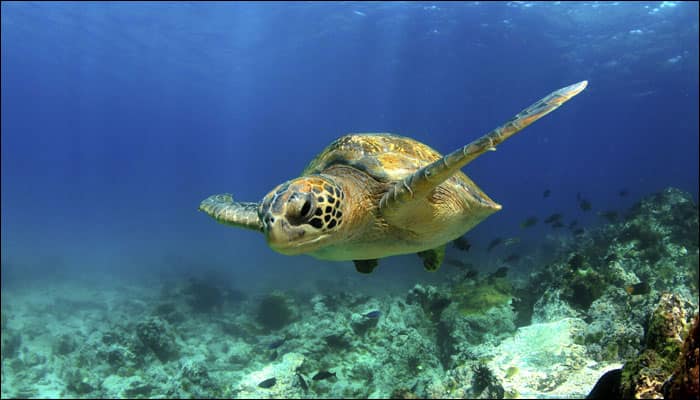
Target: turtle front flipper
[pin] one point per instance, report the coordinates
(432, 259)
(421, 183)
(222, 208)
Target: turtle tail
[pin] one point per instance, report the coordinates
(222, 208)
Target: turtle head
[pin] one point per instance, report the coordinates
(302, 215)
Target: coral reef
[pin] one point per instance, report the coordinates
(282, 380)
(644, 376)
(619, 294)
(157, 335)
(546, 357)
(654, 248)
(275, 311)
(685, 381)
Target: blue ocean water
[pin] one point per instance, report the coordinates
(119, 118)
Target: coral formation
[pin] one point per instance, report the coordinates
(478, 297)
(157, 335)
(274, 311)
(685, 381)
(596, 305)
(644, 376)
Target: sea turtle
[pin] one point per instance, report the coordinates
(373, 195)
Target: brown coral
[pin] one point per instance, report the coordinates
(684, 384)
(644, 377)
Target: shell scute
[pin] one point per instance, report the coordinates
(386, 157)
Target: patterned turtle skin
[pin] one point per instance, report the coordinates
(372, 195)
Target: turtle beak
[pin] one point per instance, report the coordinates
(281, 236)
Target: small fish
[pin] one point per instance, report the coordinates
(557, 224)
(553, 218)
(321, 375)
(530, 221)
(373, 314)
(471, 274)
(457, 263)
(546, 193)
(573, 224)
(512, 258)
(267, 383)
(576, 261)
(276, 343)
(360, 13)
(584, 204)
(578, 231)
(302, 382)
(638, 288)
(611, 216)
(623, 192)
(273, 355)
(499, 273)
(462, 243)
(495, 242)
(511, 241)
(612, 257)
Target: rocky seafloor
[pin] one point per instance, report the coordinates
(621, 294)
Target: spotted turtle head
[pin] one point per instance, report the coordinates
(301, 215)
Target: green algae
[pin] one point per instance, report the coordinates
(484, 296)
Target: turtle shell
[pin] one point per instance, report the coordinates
(384, 156)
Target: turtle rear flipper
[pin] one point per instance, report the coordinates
(366, 266)
(420, 184)
(222, 208)
(432, 259)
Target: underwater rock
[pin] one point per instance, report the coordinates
(433, 300)
(685, 381)
(361, 323)
(459, 333)
(63, 345)
(471, 379)
(195, 379)
(137, 387)
(485, 385)
(545, 359)
(157, 336)
(550, 307)
(287, 383)
(668, 325)
(130, 387)
(644, 376)
(616, 330)
(275, 311)
(195, 372)
(81, 382)
(169, 312)
(240, 353)
(409, 353)
(466, 314)
(473, 298)
(403, 393)
(655, 245)
(11, 341)
(202, 296)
